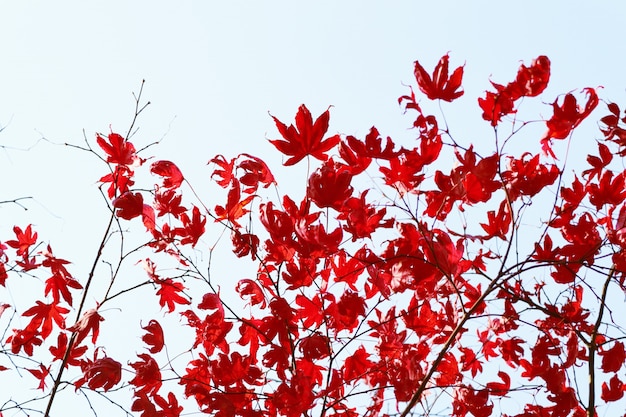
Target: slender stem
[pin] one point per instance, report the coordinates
(593, 347)
(57, 380)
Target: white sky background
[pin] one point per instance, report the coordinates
(214, 70)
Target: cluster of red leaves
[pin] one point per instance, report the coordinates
(377, 293)
(530, 82)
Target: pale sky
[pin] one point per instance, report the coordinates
(214, 70)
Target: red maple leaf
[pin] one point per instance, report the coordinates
(357, 365)
(147, 374)
(45, 315)
(154, 336)
(169, 407)
(102, 373)
(235, 207)
(440, 85)
(172, 177)
(566, 117)
(170, 293)
(329, 185)
(25, 339)
(192, 228)
(598, 163)
(614, 390)
(372, 147)
(25, 239)
(500, 388)
(59, 286)
(613, 359)
(89, 322)
(251, 291)
(41, 375)
(129, 205)
(306, 138)
(120, 180)
(255, 172)
(168, 201)
(118, 150)
(58, 351)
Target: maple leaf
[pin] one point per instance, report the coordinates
(129, 205)
(25, 239)
(440, 86)
(255, 172)
(470, 362)
(251, 291)
(172, 177)
(235, 207)
(614, 390)
(192, 228)
(245, 244)
(102, 373)
(566, 117)
(168, 201)
(118, 150)
(613, 359)
(357, 365)
(498, 224)
(59, 286)
(372, 147)
(225, 170)
(169, 407)
(306, 138)
(121, 179)
(329, 186)
(500, 388)
(147, 374)
(41, 375)
(154, 336)
(25, 339)
(45, 315)
(170, 293)
(58, 351)
(89, 322)
(598, 163)
(496, 105)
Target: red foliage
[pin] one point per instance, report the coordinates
(402, 279)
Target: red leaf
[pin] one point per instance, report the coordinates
(59, 286)
(25, 239)
(192, 228)
(59, 351)
(251, 291)
(329, 185)
(357, 365)
(45, 315)
(255, 172)
(500, 388)
(25, 339)
(102, 373)
(147, 374)
(154, 336)
(235, 207)
(440, 86)
(614, 390)
(306, 138)
(41, 375)
(566, 117)
(129, 205)
(614, 358)
(89, 322)
(119, 150)
(172, 177)
(170, 293)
